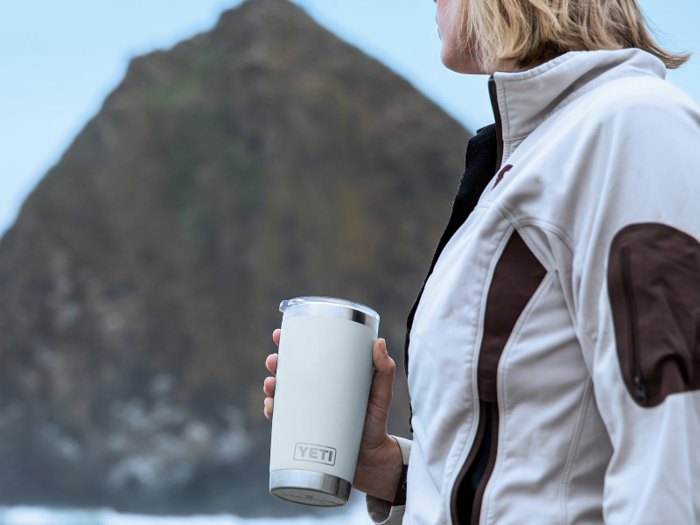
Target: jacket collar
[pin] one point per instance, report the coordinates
(522, 101)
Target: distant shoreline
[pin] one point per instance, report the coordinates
(356, 515)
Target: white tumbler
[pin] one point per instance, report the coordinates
(324, 373)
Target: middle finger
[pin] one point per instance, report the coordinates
(269, 386)
(271, 363)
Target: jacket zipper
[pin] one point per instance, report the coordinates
(481, 456)
(469, 463)
(492, 451)
(406, 344)
(488, 412)
(493, 95)
(640, 385)
(411, 316)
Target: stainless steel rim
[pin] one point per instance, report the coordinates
(324, 301)
(311, 481)
(333, 310)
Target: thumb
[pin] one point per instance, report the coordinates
(381, 391)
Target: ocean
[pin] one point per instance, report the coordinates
(355, 514)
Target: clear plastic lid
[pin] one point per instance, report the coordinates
(330, 301)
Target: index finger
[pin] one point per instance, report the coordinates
(276, 336)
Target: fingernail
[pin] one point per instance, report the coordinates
(384, 346)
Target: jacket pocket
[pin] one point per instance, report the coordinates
(654, 291)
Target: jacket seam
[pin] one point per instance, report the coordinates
(519, 223)
(573, 449)
(562, 105)
(587, 344)
(506, 143)
(544, 68)
(450, 479)
(586, 339)
(469, 441)
(522, 137)
(503, 410)
(567, 241)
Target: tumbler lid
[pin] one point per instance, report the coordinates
(332, 306)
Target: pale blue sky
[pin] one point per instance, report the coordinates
(58, 61)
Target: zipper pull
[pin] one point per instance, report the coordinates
(641, 389)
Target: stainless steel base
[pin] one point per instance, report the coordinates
(309, 488)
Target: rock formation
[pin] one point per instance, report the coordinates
(139, 286)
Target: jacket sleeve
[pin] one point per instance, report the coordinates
(382, 512)
(636, 281)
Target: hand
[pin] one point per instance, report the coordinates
(379, 463)
(271, 382)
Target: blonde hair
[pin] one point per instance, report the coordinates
(528, 32)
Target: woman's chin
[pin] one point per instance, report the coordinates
(465, 65)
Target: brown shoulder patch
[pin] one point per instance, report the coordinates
(654, 290)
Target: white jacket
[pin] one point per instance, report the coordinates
(554, 363)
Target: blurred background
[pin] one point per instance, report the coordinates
(170, 171)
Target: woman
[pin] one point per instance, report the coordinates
(553, 353)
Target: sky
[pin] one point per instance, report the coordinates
(59, 60)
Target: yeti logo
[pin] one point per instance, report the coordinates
(315, 453)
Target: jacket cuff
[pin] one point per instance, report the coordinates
(383, 512)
